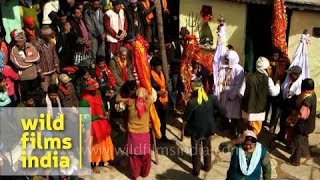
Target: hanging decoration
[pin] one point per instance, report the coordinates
(279, 26)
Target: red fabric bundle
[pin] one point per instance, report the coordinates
(279, 26)
(100, 129)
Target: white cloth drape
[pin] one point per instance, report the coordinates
(221, 50)
(300, 58)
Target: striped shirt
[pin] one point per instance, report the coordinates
(48, 56)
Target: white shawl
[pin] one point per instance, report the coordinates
(246, 169)
(295, 88)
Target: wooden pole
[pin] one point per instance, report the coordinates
(161, 39)
(155, 149)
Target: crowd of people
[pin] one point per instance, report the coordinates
(79, 54)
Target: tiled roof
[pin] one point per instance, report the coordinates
(254, 1)
(305, 2)
(302, 2)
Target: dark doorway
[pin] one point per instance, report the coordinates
(258, 34)
(173, 29)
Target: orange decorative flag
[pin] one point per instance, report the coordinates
(142, 67)
(279, 26)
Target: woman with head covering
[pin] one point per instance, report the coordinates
(102, 149)
(138, 126)
(304, 123)
(82, 75)
(248, 159)
(231, 75)
(4, 45)
(255, 89)
(10, 76)
(200, 115)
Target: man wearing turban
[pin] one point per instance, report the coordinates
(200, 116)
(255, 89)
(230, 78)
(29, 29)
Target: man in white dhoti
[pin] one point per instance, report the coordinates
(230, 78)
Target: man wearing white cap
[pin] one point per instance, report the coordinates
(255, 89)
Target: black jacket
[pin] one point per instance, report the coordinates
(202, 119)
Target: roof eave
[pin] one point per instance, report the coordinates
(302, 7)
(292, 5)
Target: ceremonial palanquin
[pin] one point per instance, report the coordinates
(192, 52)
